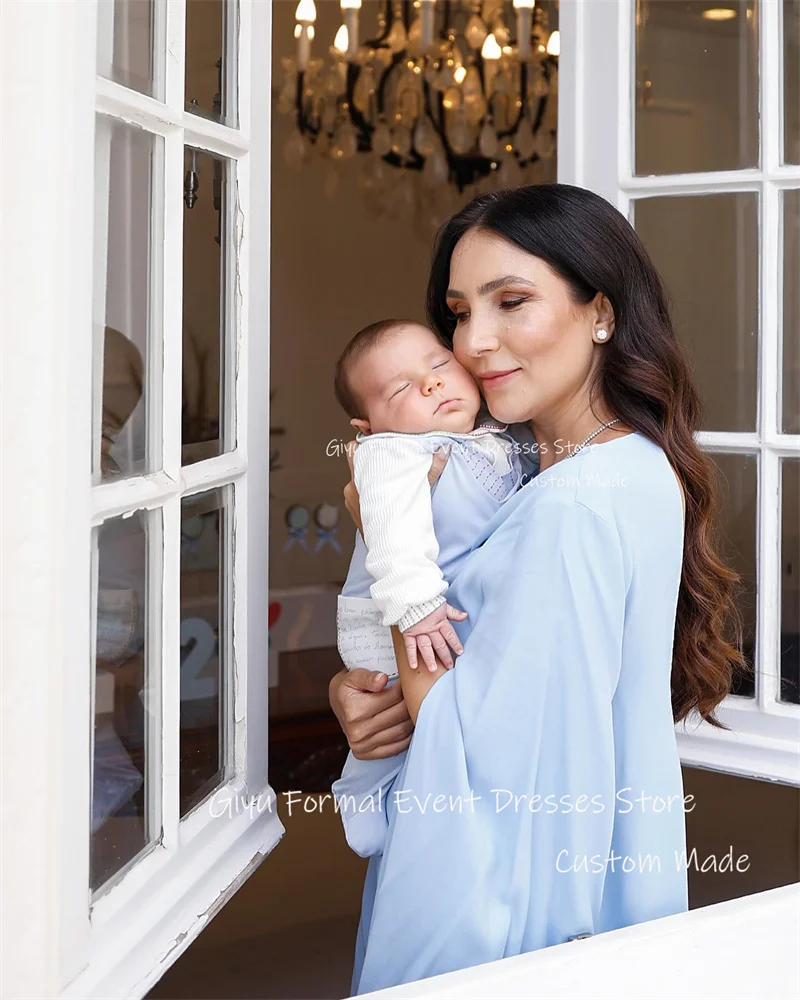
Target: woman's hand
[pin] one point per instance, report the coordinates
(351, 502)
(373, 717)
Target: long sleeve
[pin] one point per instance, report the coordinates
(508, 788)
(391, 475)
(361, 795)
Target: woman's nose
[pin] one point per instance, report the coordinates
(476, 339)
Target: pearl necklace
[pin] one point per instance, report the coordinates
(594, 434)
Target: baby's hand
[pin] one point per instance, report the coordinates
(432, 635)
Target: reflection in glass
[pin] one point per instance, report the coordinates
(791, 81)
(211, 44)
(203, 646)
(706, 250)
(790, 581)
(122, 297)
(738, 498)
(125, 43)
(204, 304)
(696, 87)
(121, 733)
(791, 312)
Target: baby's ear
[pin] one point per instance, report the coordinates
(360, 425)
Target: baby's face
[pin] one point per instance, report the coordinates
(411, 383)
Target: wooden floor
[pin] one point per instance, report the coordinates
(311, 962)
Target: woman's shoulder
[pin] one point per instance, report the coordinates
(629, 473)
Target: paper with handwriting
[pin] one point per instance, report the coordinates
(362, 640)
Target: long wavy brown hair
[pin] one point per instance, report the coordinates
(644, 380)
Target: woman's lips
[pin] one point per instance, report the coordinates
(492, 379)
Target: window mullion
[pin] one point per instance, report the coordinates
(768, 598)
(771, 68)
(170, 677)
(172, 307)
(768, 554)
(175, 68)
(171, 388)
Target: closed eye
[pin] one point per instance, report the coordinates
(442, 363)
(512, 303)
(460, 317)
(400, 389)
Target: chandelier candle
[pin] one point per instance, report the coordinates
(524, 9)
(305, 15)
(426, 14)
(350, 9)
(490, 53)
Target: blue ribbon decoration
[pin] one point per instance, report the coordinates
(324, 537)
(296, 535)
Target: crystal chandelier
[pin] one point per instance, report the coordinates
(455, 93)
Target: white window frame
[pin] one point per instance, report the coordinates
(57, 941)
(596, 105)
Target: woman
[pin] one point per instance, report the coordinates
(597, 614)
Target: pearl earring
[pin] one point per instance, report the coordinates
(602, 334)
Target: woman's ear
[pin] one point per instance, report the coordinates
(360, 425)
(603, 326)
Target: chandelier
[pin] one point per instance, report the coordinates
(458, 94)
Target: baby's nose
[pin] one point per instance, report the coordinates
(432, 383)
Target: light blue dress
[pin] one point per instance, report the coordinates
(541, 797)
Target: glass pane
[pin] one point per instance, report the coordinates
(791, 311)
(204, 304)
(125, 43)
(738, 504)
(123, 297)
(706, 249)
(790, 581)
(121, 731)
(211, 45)
(791, 81)
(203, 645)
(696, 86)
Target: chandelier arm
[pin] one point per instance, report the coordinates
(303, 121)
(540, 111)
(445, 30)
(438, 123)
(523, 86)
(364, 128)
(378, 42)
(397, 58)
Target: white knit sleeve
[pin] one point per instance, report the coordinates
(391, 475)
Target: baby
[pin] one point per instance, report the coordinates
(407, 396)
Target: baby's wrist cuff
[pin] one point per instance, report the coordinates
(419, 611)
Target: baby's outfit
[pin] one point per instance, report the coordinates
(414, 538)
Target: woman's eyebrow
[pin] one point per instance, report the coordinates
(492, 286)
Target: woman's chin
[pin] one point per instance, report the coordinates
(507, 410)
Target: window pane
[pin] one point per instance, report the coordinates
(205, 254)
(791, 81)
(121, 732)
(123, 296)
(790, 581)
(211, 46)
(738, 498)
(696, 87)
(706, 249)
(791, 312)
(125, 43)
(204, 524)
